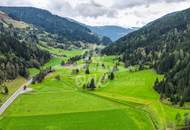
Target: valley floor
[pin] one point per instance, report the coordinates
(129, 102)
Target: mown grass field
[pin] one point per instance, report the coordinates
(129, 102)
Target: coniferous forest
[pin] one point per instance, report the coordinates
(163, 45)
(17, 55)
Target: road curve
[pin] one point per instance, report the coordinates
(13, 97)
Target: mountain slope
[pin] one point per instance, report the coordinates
(163, 44)
(17, 51)
(113, 32)
(65, 29)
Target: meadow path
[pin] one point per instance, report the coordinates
(14, 96)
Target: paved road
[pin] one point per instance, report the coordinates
(14, 96)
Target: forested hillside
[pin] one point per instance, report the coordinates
(65, 29)
(164, 45)
(18, 50)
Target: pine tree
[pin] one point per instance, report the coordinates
(111, 76)
(178, 118)
(87, 71)
(6, 90)
(186, 119)
(92, 85)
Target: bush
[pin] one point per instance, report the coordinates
(62, 63)
(4, 90)
(58, 77)
(84, 86)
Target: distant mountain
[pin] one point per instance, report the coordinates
(64, 28)
(113, 32)
(163, 44)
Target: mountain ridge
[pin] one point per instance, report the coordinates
(65, 29)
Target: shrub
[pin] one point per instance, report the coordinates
(58, 77)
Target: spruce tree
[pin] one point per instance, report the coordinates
(92, 84)
(112, 76)
(87, 71)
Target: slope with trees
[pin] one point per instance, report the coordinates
(163, 44)
(18, 52)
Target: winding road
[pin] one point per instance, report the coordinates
(14, 96)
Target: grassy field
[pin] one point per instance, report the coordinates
(129, 102)
(61, 52)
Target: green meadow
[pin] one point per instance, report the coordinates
(129, 102)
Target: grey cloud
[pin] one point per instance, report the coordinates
(122, 12)
(93, 9)
(61, 7)
(87, 9)
(121, 4)
(15, 2)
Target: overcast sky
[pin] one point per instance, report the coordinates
(126, 13)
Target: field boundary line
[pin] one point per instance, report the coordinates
(148, 114)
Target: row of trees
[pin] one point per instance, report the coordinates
(73, 60)
(43, 73)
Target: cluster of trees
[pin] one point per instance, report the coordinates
(164, 46)
(16, 55)
(91, 85)
(74, 59)
(106, 76)
(43, 73)
(176, 85)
